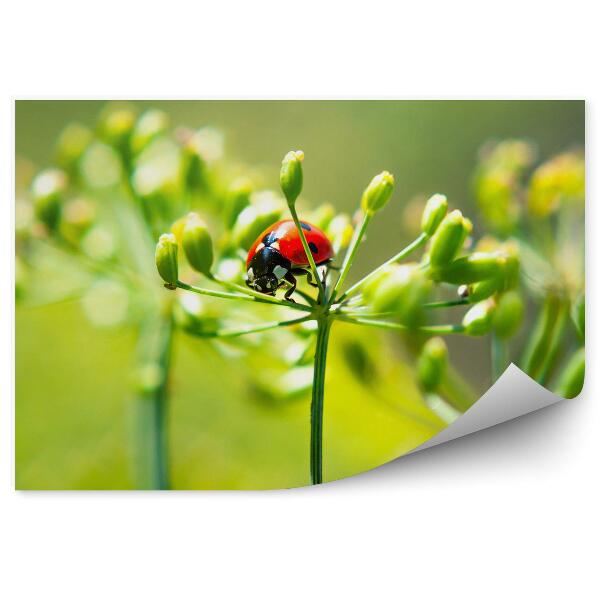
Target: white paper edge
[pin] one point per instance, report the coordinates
(514, 394)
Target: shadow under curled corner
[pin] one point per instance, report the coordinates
(514, 394)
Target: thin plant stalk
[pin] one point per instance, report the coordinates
(536, 352)
(317, 402)
(231, 296)
(363, 311)
(320, 364)
(555, 345)
(152, 405)
(499, 356)
(430, 329)
(446, 303)
(357, 237)
(414, 245)
(444, 410)
(457, 391)
(307, 251)
(224, 333)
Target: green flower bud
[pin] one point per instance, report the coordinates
(497, 182)
(231, 269)
(197, 244)
(432, 364)
(340, 232)
(149, 126)
(78, 216)
(373, 284)
(71, 145)
(99, 243)
(483, 289)
(322, 216)
(449, 239)
(116, 126)
(48, 189)
(508, 277)
(434, 213)
(578, 315)
(560, 179)
(378, 192)
(290, 176)
(177, 229)
(571, 380)
(100, 166)
(237, 198)
(508, 314)
(201, 149)
(512, 266)
(401, 289)
(496, 191)
(194, 168)
(265, 208)
(478, 319)
(478, 266)
(513, 154)
(166, 259)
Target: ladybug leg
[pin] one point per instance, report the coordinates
(308, 274)
(292, 281)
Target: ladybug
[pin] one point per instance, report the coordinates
(277, 255)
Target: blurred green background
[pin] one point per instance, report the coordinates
(73, 409)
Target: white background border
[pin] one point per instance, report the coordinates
(511, 512)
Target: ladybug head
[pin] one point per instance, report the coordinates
(267, 284)
(266, 270)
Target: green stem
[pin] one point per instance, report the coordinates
(571, 379)
(555, 345)
(457, 391)
(316, 408)
(363, 311)
(357, 237)
(307, 250)
(444, 410)
(247, 291)
(430, 329)
(535, 354)
(264, 299)
(446, 304)
(152, 404)
(252, 328)
(499, 352)
(414, 245)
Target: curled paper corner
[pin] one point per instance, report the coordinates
(513, 395)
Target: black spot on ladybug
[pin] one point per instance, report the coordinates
(270, 238)
(313, 247)
(306, 226)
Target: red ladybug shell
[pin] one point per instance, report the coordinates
(284, 234)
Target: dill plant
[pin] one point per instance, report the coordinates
(395, 296)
